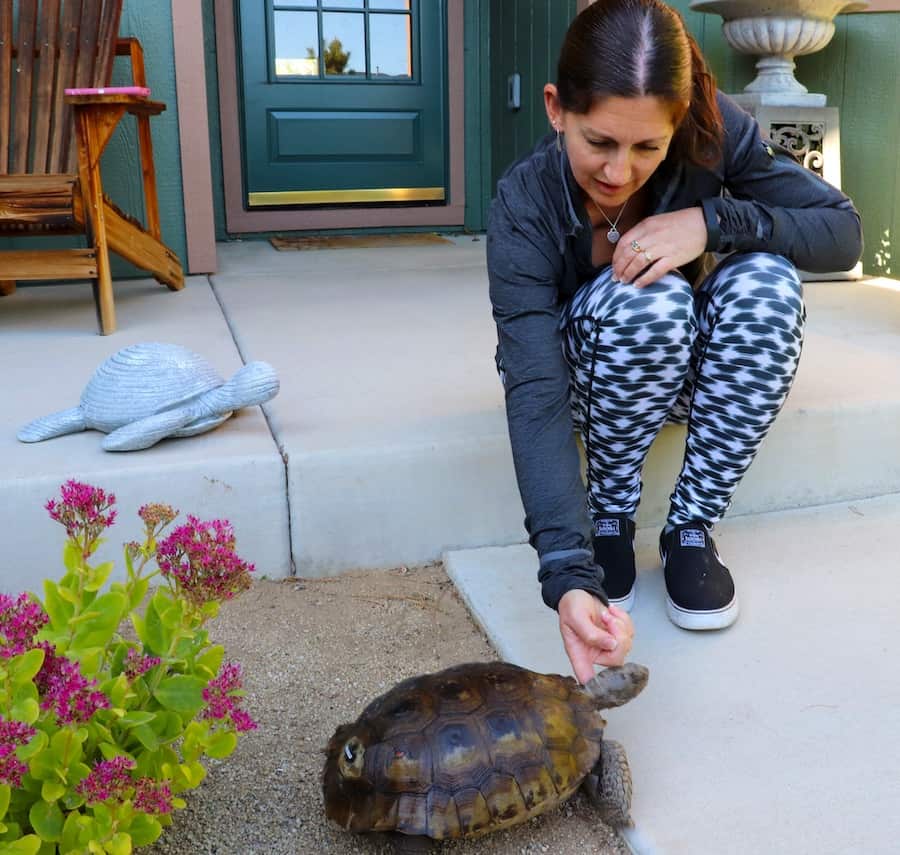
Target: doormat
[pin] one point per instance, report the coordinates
(356, 241)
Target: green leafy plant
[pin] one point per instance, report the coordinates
(100, 733)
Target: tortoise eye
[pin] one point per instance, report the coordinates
(350, 760)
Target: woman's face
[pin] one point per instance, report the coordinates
(615, 147)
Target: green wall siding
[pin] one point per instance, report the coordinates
(215, 130)
(525, 38)
(479, 185)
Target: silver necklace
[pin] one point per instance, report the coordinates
(613, 234)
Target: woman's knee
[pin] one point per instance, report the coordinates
(746, 279)
(612, 303)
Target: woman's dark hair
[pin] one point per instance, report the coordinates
(630, 48)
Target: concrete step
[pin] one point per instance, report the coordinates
(392, 422)
(778, 735)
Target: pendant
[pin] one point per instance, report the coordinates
(613, 235)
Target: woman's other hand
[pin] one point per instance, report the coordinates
(593, 634)
(658, 245)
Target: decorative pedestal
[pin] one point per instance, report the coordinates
(812, 135)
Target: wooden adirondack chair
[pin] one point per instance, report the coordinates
(50, 147)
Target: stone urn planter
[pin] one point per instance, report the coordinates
(777, 31)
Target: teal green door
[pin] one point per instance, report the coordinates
(344, 101)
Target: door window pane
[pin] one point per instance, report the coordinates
(346, 4)
(390, 43)
(389, 4)
(296, 44)
(344, 43)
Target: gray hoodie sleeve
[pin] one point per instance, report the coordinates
(777, 205)
(524, 265)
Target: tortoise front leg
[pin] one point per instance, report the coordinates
(406, 844)
(608, 785)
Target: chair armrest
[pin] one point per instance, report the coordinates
(136, 104)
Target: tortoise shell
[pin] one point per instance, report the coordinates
(144, 379)
(462, 752)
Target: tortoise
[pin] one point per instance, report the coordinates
(476, 748)
(146, 392)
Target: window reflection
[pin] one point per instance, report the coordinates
(390, 43)
(374, 42)
(344, 43)
(296, 44)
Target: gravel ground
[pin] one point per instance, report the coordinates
(314, 653)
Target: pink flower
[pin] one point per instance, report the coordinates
(83, 510)
(156, 514)
(241, 721)
(153, 797)
(66, 691)
(11, 767)
(16, 732)
(137, 665)
(109, 779)
(20, 620)
(222, 702)
(200, 556)
(12, 735)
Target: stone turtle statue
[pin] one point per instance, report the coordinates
(476, 748)
(147, 392)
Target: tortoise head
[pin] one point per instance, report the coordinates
(346, 789)
(617, 685)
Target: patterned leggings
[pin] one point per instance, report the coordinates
(722, 360)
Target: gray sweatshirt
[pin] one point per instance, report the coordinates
(539, 253)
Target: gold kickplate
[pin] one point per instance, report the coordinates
(320, 197)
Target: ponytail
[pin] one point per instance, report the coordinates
(701, 131)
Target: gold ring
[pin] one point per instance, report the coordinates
(636, 246)
(648, 256)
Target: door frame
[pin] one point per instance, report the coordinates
(193, 135)
(238, 220)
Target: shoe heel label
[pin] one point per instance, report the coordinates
(606, 528)
(693, 537)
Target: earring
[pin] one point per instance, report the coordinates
(559, 145)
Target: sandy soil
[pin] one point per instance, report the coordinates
(314, 653)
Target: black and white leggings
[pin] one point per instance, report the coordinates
(721, 359)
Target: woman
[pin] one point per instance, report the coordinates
(607, 322)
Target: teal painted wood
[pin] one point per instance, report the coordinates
(525, 38)
(477, 23)
(870, 131)
(215, 126)
(151, 22)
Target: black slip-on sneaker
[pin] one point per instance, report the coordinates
(699, 588)
(613, 540)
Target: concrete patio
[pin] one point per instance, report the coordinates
(387, 445)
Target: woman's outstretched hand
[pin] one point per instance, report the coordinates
(593, 634)
(658, 245)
